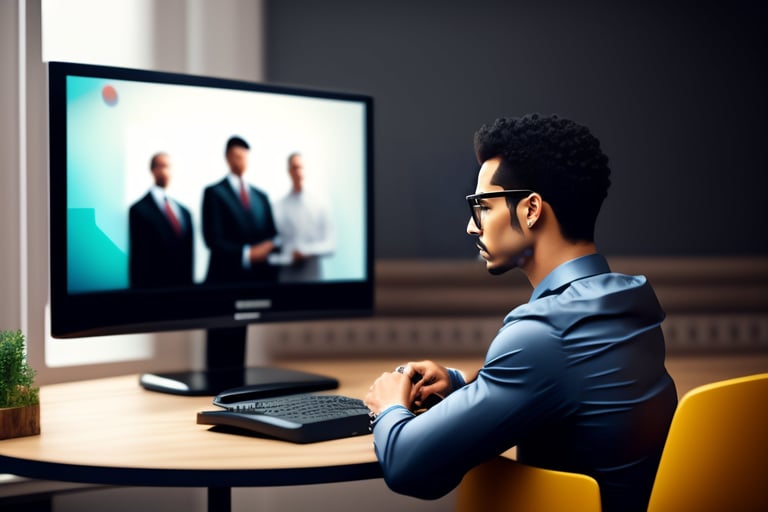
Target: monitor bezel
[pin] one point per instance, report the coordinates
(199, 307)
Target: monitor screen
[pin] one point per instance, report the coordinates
(184, 202)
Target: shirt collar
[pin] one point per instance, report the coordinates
(570, 271)
(235, 181)
(159, 194)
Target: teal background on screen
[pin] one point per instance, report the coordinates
(96, 220)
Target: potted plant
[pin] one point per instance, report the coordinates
(19, 398)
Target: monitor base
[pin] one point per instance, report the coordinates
(264, 381)
(225, 369)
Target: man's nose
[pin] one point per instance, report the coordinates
(472, 228)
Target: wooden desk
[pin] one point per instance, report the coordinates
(111, 431)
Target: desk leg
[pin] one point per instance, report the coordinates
(219, 499)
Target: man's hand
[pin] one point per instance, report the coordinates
(434, 380)
(409, 386)
(259, 252)
(391, 388)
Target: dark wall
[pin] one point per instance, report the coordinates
(676, 92)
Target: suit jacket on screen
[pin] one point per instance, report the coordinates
(158, 256)
(228, 227)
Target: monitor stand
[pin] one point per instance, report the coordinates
(225, 370)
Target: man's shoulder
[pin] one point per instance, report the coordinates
(142, 203)
(216, 185)
(611, 280)
(527, 321)
(612, 292)
(183, 208)
(526, 343)
(602, 296)
(583, 292)
(218, 188)
(256, 190)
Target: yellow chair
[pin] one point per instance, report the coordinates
(506, 485)
(716, 454)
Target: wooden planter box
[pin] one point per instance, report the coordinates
(19, 421)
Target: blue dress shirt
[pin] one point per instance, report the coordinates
(575, 379)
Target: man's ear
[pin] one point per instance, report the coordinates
(533, 208)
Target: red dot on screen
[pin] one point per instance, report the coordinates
(109, 94)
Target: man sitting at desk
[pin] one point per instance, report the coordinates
(575, 378)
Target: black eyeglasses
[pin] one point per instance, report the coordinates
(476, 208)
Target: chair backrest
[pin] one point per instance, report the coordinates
(716, 454)
(506, 485)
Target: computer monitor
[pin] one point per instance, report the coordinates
(222, 252)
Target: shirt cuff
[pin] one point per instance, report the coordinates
(246, 257)
(389, 409)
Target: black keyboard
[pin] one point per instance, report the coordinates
(301, 418)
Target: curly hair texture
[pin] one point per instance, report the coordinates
(556, 157)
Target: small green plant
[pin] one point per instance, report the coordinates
(16, 376)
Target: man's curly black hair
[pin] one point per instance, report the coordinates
(556, 157)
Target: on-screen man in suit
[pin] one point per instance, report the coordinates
(160, 231)
(238, 224)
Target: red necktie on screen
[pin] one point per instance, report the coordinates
(244, 196)
(175, 224)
